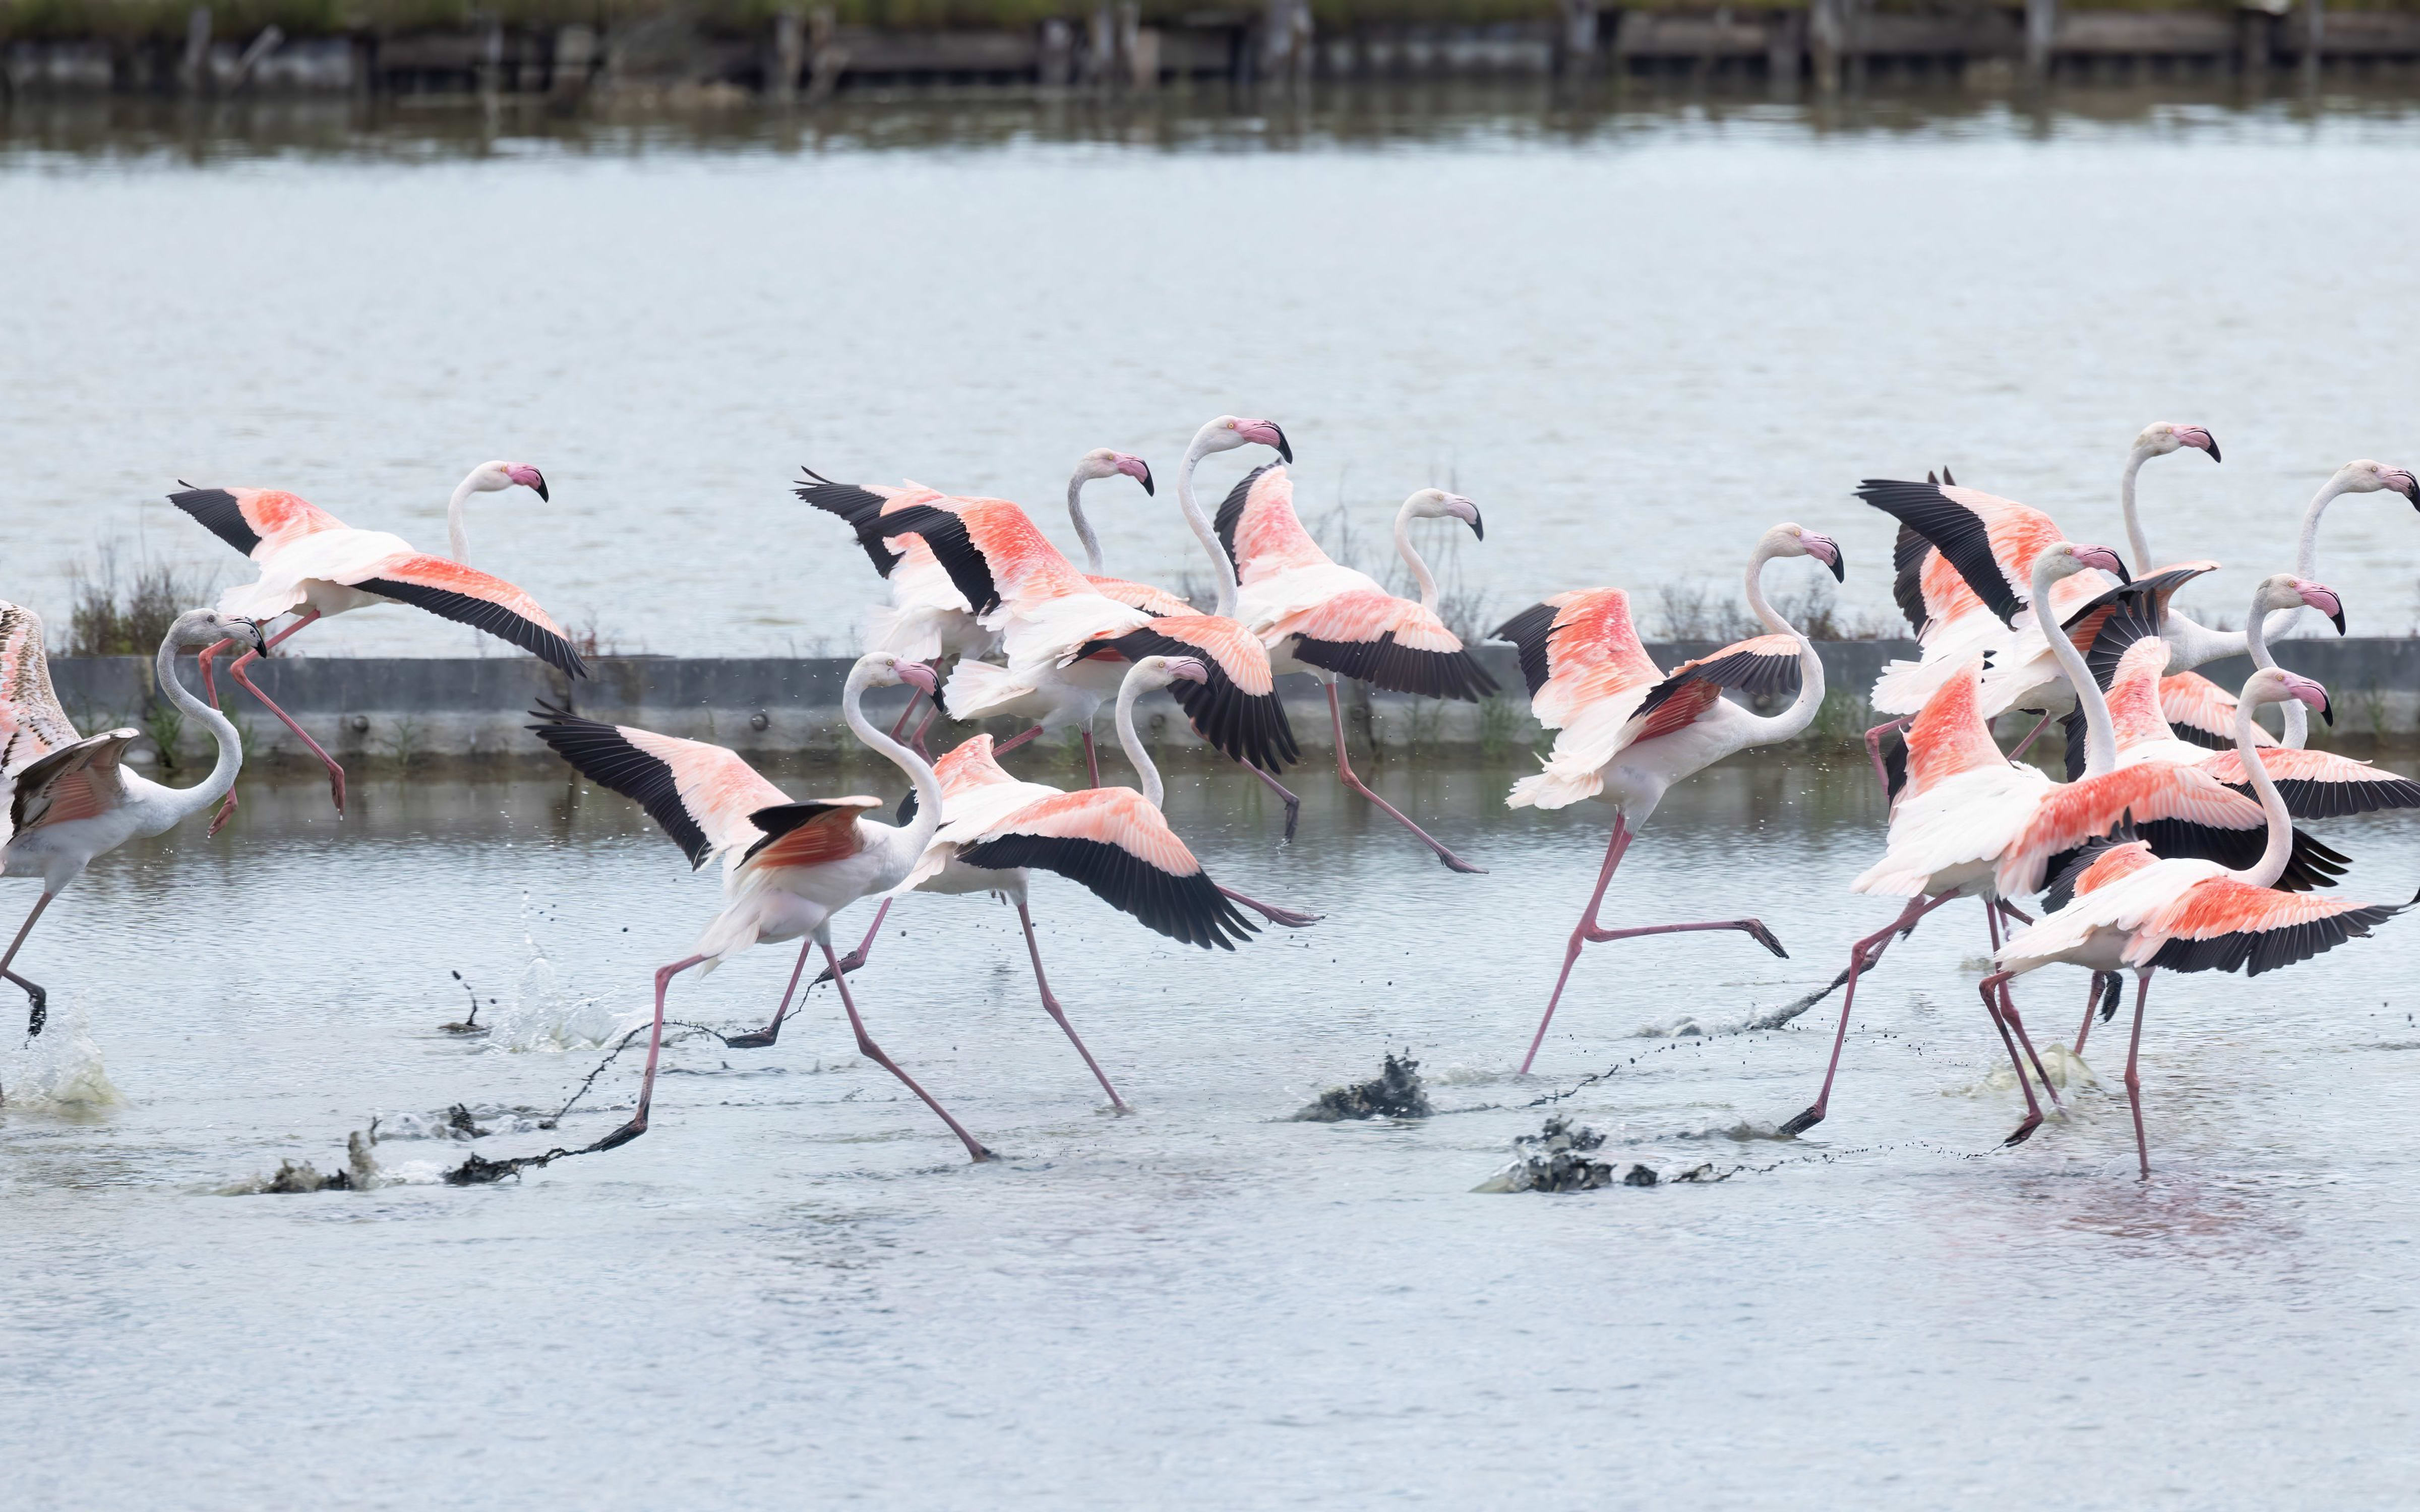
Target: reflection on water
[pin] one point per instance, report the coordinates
(793, 1264)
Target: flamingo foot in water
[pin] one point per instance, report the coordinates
(619, 1137)
(1282, 918)
(2024, 1131)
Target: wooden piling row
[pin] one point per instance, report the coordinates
(807, 54)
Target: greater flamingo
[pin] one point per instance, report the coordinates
(1332, 622)
(1630, 730)
(2132, 911)
(314, 563)
(1105, 463)
(71, 797)
(788, 866)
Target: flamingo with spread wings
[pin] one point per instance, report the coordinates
(788, 866)
(1630, 731)
(312, 565)
(69, 797)
(1316, 616)
(2132, 911)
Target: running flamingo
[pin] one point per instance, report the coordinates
(1630, 730)
(313, 562)
(2132, 911)
(69, 796)
(1332, 622)
(788, 866)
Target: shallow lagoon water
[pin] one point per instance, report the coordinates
(794, 1290)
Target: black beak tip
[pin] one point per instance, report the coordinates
(2328, 712)
(2213, 449)
(540, 485)
(2339, 617)
(1284, 450)
(1839, 565)
(1478, 526)
(1148, 490)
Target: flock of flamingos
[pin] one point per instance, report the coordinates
(2171, 845)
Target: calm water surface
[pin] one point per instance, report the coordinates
(1636, 332)
(794, 1292)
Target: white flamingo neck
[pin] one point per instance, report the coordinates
(1222, 566)
(1154, 790)
(2135, 539)
(1083, 526)
(1793, 721)
(2272, 865)
(919, 772)
(223, 772)
(1766, 614)
(2256, 644)
(1420, 573)
(2100, 731)
(457, 536)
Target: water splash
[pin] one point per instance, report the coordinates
(547, 1013)
(2065, 1068)
(61, 1070)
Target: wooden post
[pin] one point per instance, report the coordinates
(1785, 51)
(2041, 37)
(492, 61)
(789, 59)
(267, 42)
(195, 73)
(826, 58)
(1578, 57)
(575, 54)
(1055, 64)
(1101, 47)
(1827, 41)
(2314, 33)
(2252, 42)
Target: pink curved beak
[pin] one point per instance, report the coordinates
(1267, 434)
(2106, 559)
(1827, 551)
(2401, 481)
(2197, 435)
(1138, 469)
(920, 678)
(2323, 598)
(2312, 694)
(1189, 669)
(528, 477)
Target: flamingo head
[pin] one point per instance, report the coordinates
(1101, 462)
(2275, 684)
(2367, 476)
(1228, 432)
(207, 628)
(2066, 558)
(1435, 503)
(882, 669)
(1793, 540)
(495, 477)
(1159, 672)
(2321, 597)
(2162, 436)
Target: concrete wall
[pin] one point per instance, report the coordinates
(402, 709)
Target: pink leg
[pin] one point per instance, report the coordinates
(210, 689)
(39, 1001)
(1092, 761)
(2031, 735)
(1283, 917)
(1293, 804)
(916, 741)
(864, 947)
(1993, 993)
(1863, 957)
(1050, 1006)
(1875, 751)
(873, 1052)
(1344, 771)
(1016, 740)
(759, 1038)
(2092, 1000)
(2009, 1005)
(638, 1124)
(914, 698)
(2133, 1080)
(335, 773)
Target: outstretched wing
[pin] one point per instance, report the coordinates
(1238, 710)
(1152, 601)
(246, 518)
(860, 507)
(809, 834)
(83, 780)
(466, 595)
(1115, 842)
(31, 722)
(1578, 649)
(2319, 784)
(2224, 925)
(1257, 525)
(2202, 712)
(703, 795)
(1991, 540)
(1762, 666)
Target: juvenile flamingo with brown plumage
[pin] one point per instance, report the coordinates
(313, 565)
(1630, 731)
(788, 866)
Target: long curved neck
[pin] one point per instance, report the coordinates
(210, 789)
(456, 536)
(2100, 731)
(2272, 865)
(1083, 526)
(919, 772)
(1793, 721)
(1222, 566)
(2256, 644)
(1131, 743)
(1420, 573)
(2134, 536)
(2281, 623)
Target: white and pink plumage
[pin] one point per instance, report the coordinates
(2130, 911)
(789, 867)
(1630, 731)
(1319, 617)
(313, 565)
